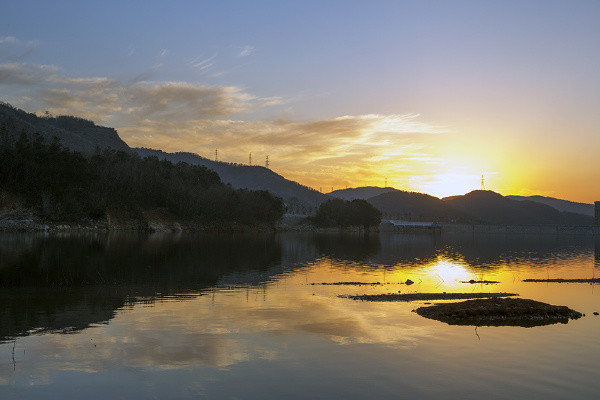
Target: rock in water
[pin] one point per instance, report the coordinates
(499, 312)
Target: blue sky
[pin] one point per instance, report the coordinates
(430, 94)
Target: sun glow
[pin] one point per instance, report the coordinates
(449, 184)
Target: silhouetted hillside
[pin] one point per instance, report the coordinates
(414, 206)
(84, 136)
(59, 184)
(74, 133)
(364, 193)
(490, 207)
(560, 205)
(298, 198)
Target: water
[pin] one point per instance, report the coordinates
(246, 317)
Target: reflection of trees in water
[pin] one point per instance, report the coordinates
(408, 251)
(347, 246)
(166, 263)
(59, 283)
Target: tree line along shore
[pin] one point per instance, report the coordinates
(47, 186)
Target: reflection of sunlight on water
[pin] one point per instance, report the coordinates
(448, 271)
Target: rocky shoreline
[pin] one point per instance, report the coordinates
(25, 224)
(150, 221)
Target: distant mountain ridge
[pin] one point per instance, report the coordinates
(474, 207)
(399, 204)
(491, 207)
(560, 205)
(364, 192)
(252, 177)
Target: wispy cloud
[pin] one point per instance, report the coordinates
(337, 151)
(8, 39)
(111, 100)
(246, 51)
(203, 64)
(26, 74)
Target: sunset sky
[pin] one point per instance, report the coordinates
(428, 94)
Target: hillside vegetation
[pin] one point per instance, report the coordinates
(84, 136)
(60, 184)
(344, 213)
(299, 198)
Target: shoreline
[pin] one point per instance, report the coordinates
(32, 224)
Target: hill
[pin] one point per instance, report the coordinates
(490, 207)
(414, 206)
(74, 133)
(364, 193)
(84, 136)
(299, 198)
(560, 205)
(119, 187)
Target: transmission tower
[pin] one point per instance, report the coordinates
(482, 183)
(216, 154)
(250, 159)
(267, 162)
(385, 183)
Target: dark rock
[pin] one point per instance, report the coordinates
(499, 312)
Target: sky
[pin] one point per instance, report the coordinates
(424, 95)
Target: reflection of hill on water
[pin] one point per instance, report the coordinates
(535, 251)
(478, 252)
(348, 247)
(68, 283)
(59, 283)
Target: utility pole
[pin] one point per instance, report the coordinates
(216, 154)
(385, 183)
(267, 162)
(250, 159)
(482, 183)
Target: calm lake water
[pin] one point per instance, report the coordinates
(245, 317)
